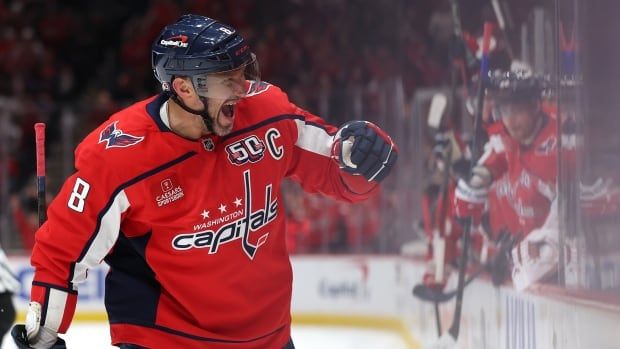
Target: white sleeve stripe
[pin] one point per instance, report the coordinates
(55, 308)
(313, 138)
(494, 145)
(104, 238)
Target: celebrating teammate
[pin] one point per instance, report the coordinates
(519, 165)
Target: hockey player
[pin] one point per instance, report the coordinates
(520, 161)
(180, 195)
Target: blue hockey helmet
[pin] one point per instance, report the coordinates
(199, 47)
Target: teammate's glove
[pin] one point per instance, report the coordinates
(500, 257)
(469, 202)
(34, 336)
(364, 149)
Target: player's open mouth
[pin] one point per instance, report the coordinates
(228, 110)
(227, 113)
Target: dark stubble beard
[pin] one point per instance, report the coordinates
(213, 126)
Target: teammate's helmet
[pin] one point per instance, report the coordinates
(195, 46)
(515, 87)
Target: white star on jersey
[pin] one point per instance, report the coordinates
(222, 208)
(237, 202)
(205, 214)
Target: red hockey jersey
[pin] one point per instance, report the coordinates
(193, 231)
(525, 177)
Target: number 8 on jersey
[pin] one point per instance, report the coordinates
(80, 191)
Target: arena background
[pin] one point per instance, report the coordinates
(71, 64)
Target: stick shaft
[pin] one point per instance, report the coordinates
(39, 131)
(438, 319)
(484, 67)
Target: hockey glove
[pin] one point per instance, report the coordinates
(500, 264)
(469, 202)
(32, 335)
(364, 149)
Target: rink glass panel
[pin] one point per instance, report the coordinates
(593, 233)
(383, 223)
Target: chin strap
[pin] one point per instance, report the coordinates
(202, 113)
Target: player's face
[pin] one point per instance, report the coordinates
(520, 119)
(228, 89)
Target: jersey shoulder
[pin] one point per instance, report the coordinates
(548, 133)
(264, 101)
(120, 139)
(547, 142)
(550, 127)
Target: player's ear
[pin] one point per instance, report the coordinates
(183, 87)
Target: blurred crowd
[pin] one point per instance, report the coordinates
(94, 58)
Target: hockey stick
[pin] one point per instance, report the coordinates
(428, 229)
(434, 121)
(439, 102)
(453, 332)
(505, 23)
(428, 294)
(39, 132)
(468, 57)
(436, 114)
(19, 332)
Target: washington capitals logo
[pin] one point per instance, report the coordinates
(257, 88)
(244, 228)
(117, 138)
(546, 147)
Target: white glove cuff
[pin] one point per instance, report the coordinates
(473, 195)
(346, 145)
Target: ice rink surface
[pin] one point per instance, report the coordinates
(96, 336)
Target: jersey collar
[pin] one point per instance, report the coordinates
(154, 109)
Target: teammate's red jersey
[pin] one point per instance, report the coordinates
(525, 176)
(193, 230)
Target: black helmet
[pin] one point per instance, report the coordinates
(515, 86)
(195, 46)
